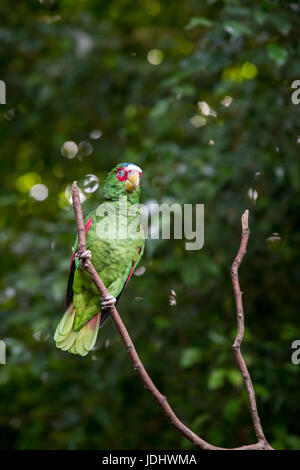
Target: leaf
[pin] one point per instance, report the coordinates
(278, 54)
(185, 90)
(260, 16)
(234, 377)
(232, 408)
(282, 24)
(190, 275)
(160, 109)
(216, 379)
(217, 337)
(161, 322)
(198, 21)
(236, 29)
(190, 356)
(200, 420)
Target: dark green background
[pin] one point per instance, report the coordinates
(74, 66)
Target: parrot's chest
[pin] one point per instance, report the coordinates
(115, 249)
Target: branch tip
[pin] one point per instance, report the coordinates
(245, 217)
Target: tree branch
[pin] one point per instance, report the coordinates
(137, 364)
(240, 331)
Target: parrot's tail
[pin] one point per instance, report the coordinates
(76, 342)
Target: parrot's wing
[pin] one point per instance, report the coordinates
(129, 271)
(118, 286)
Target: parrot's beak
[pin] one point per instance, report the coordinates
(133, 181)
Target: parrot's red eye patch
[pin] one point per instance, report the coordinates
(121, 174)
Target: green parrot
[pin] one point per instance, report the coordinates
(115, 239)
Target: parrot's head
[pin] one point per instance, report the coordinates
(123, 180)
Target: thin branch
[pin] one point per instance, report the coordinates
(137, 363)
(240, 331)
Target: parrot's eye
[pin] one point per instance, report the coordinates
(120, 172)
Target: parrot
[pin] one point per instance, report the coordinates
(115, 255)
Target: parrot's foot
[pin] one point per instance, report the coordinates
(107, 301)
(83, 256)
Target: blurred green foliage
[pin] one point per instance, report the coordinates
(198, 94)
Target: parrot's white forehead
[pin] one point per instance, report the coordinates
(132, 167)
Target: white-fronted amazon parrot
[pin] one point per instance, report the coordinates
(115, 255)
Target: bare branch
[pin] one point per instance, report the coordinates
(240, 331)
(137, 364)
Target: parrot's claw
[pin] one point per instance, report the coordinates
(107, 301)
(83, 256)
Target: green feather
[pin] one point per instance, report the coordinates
(90, 335)
(65, 325)
(80, 342)
(68, 341)
(73, 349)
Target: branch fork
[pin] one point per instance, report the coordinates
(262, 443)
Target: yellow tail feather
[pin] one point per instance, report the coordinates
(76, 342)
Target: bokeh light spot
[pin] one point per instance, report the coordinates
(25, 182)
(226, 101)
(69, 149)
(198, 121)
(90, 184)
(249, 71)
(84, 149)
(39, 192)
(95, 134)
(155, 56)
(253, 194)
(186, 47)
(204, 108)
